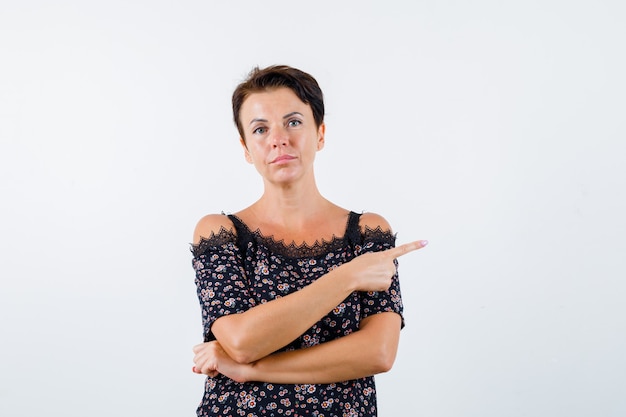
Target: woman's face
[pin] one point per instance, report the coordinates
(281, 137)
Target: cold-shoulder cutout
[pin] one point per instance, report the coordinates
(374, 222)
(212, 225)
(212, 230)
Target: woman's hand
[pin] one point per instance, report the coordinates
(210, 359)
(373, 271)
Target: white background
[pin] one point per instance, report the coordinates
(494, 129)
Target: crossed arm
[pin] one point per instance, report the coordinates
(368, 351)
(243, 352)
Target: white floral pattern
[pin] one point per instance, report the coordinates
(238, 269)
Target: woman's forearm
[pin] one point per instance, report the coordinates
(265, 328)
(366, 352)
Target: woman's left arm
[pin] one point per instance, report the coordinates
(368, 351)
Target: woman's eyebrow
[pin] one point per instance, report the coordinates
(288, 115)
(291, 114)
(258, 120)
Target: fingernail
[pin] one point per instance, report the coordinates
(424, 242)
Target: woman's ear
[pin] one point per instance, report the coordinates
(321, 131)
(245, 150)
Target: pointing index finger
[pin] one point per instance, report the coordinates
(406, 248)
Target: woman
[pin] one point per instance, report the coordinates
(300, 297)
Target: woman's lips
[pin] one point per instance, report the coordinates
(283, 158)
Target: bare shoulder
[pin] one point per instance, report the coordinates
(210, 225)
(374, 221)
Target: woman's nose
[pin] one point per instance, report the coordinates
(280, 138)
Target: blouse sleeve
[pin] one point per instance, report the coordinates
(221, 281)
(374, 302)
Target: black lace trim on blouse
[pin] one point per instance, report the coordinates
(223, 237)
(354, 235)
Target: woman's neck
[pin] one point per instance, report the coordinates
(291, 207)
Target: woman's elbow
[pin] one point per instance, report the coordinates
(235, 344)
(386, 363)
(243, 356)
(238, 349)
(382, 335)
(384, 359)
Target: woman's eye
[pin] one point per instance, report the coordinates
(294, 123)
(259, 131)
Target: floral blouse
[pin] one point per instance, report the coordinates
(237, 270)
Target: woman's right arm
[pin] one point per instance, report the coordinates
(261, 330)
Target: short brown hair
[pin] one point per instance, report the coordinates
(275, 76)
